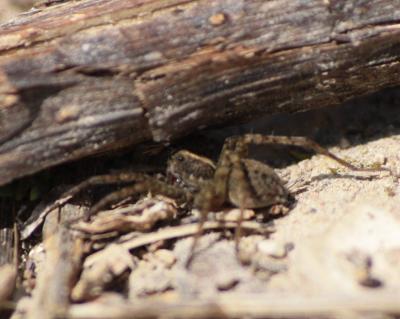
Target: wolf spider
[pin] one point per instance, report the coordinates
(234, 179)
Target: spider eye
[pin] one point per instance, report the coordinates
(179, 158)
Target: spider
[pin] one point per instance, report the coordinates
(234, 179)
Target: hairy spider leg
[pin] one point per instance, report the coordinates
(149, 184)
(304, 142)
(211, 196)
(96, 181)
(239, 175)
(144, 182)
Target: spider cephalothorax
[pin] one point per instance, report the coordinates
(234, 179)
(190, 171)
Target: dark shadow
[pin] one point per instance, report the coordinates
(356, 122)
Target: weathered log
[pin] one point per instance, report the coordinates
(86, 76)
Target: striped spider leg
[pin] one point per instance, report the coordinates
(140, 183)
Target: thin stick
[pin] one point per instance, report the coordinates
(188, 230)
(245, 305)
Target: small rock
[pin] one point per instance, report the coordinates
(166, 257)
(272, 248)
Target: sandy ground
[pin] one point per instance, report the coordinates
(344, 226)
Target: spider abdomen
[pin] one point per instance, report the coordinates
(260, 186)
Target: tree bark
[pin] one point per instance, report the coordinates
(82, 77)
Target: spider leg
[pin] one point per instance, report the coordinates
(238, 230)
(238, 175)
(196, 237)
(211, 196)
(147, 184)
(95, 181)
(104, 180)
(241, 143)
